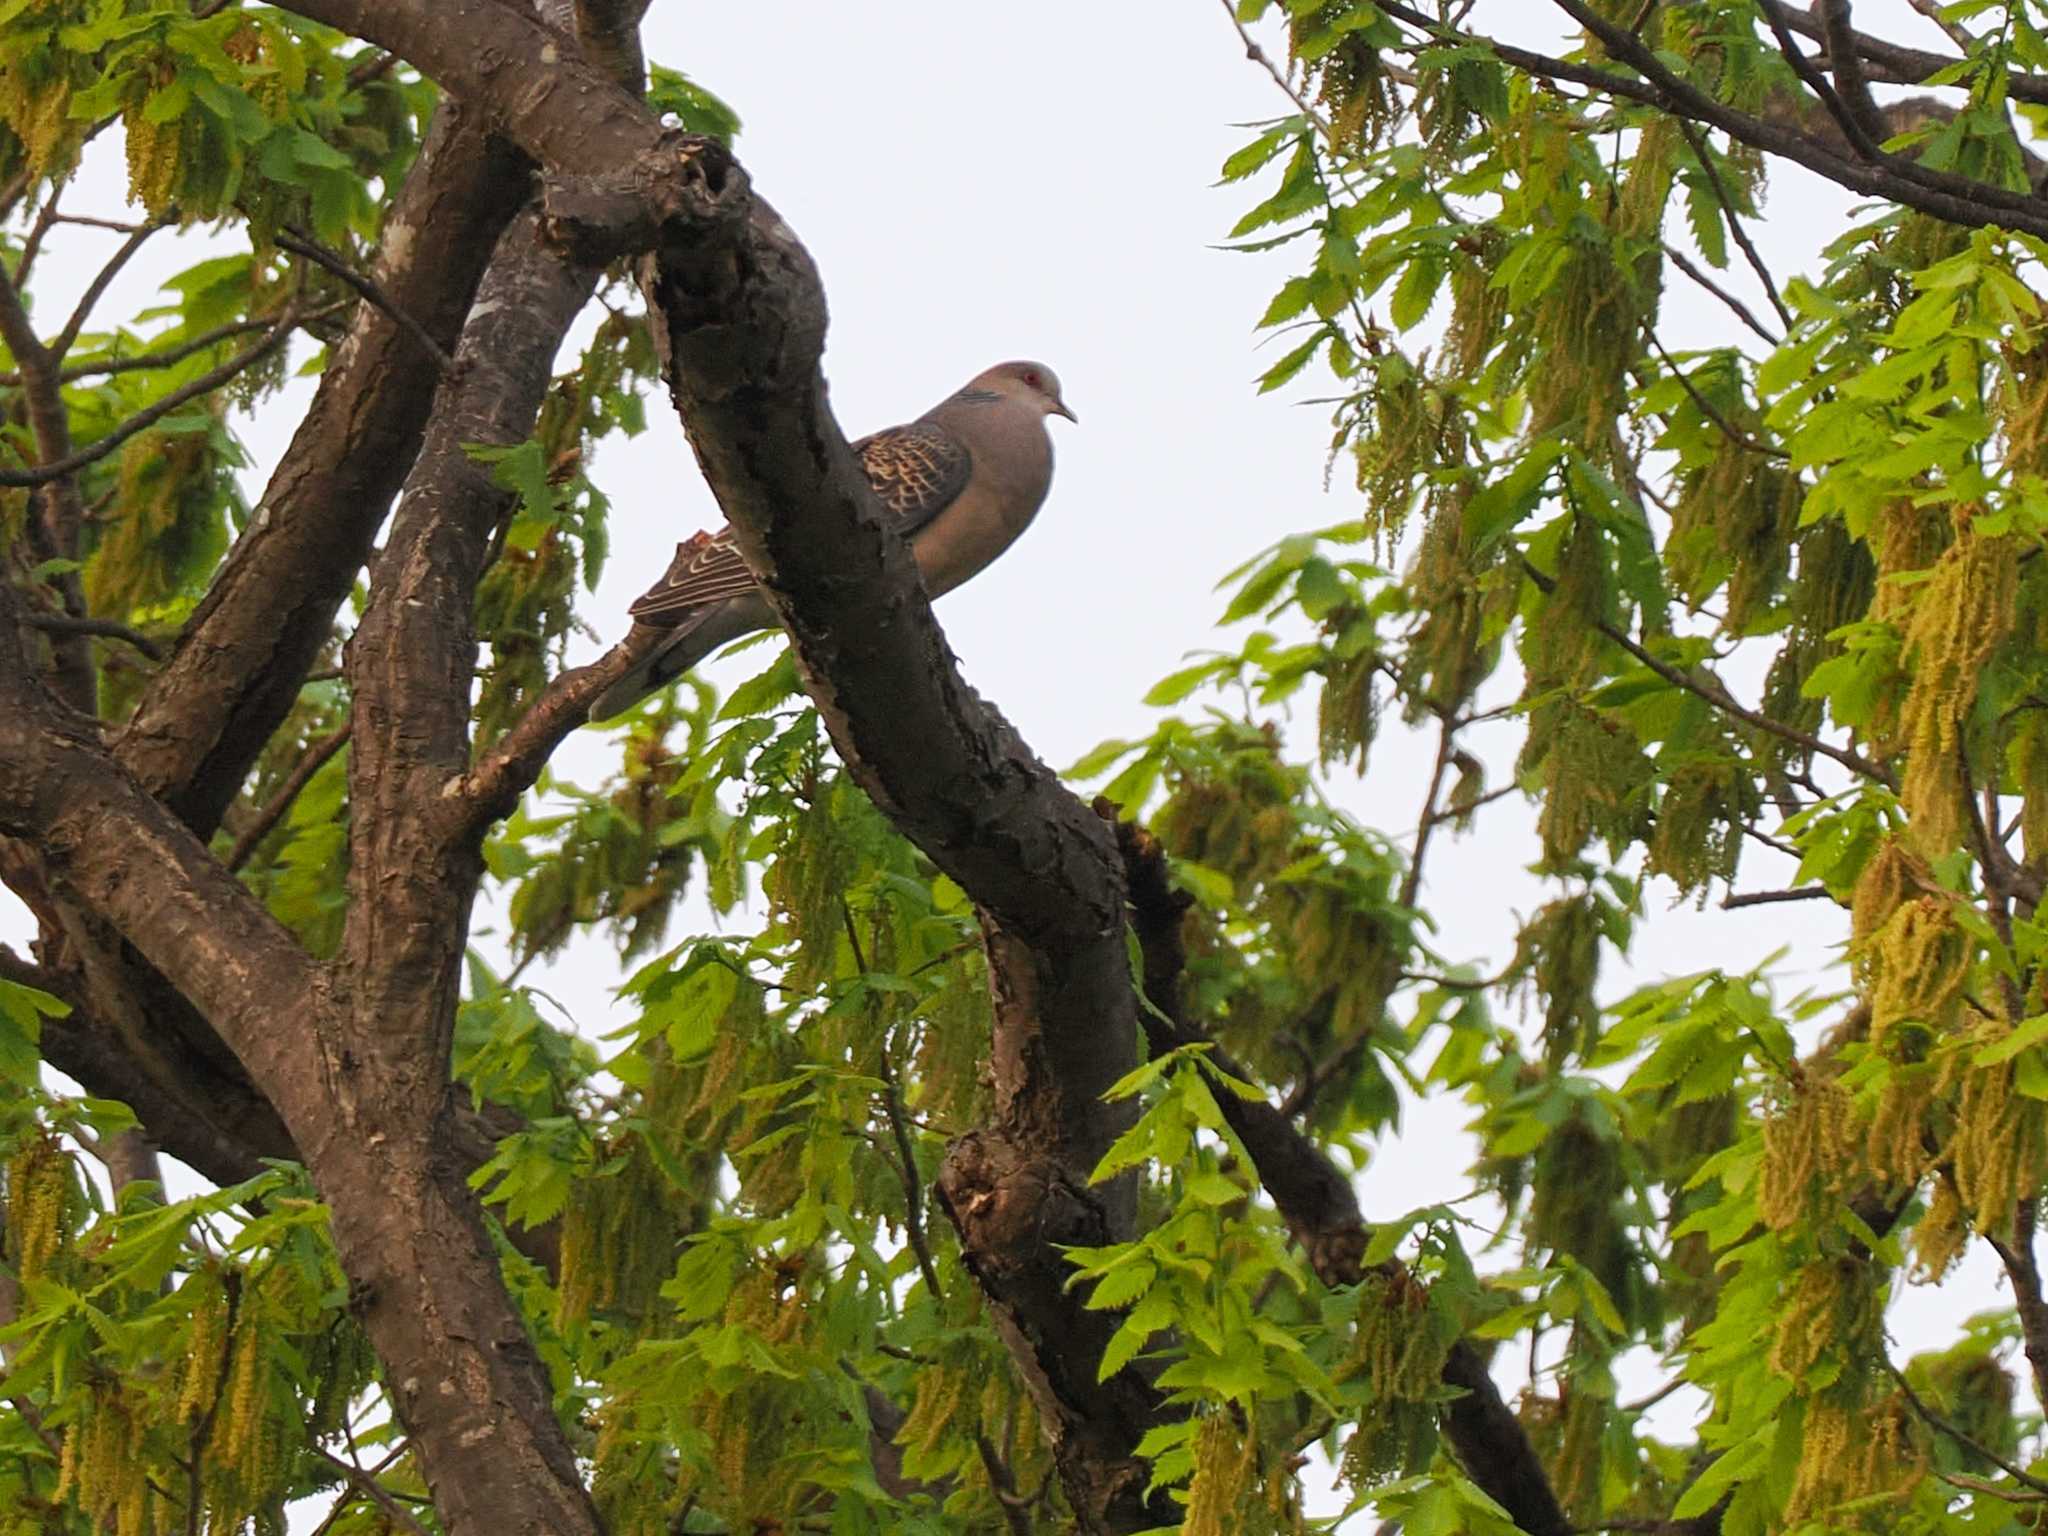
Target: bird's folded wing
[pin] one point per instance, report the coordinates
(916, 471)
(707, 569)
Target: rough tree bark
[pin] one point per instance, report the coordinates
(350, 1057)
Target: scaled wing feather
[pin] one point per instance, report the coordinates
(707, 569)
(916, 471)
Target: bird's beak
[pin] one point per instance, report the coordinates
(1059, 408)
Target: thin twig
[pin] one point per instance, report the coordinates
(92, 453)
(107, 629)
(1957, 33)
(142, 361)
(319, 255)
(1459, 812)
(1703, 153)
(1003, 1483)
(375, 67)
(1711, 690)
(1961, 1437)
(1740, 310)
(1733, 433)
(2024, 1272)
(1650, 1400)
(91, 221)
(892, 1103)
(1258, 56)
(97, 288)
(1734, 901)
(32, 247)
(1446, 743)
(377, 1492)
(273, 812)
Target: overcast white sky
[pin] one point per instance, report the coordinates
(983, 182)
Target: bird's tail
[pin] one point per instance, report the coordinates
(682, 650)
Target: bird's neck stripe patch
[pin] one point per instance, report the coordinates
(978, 396)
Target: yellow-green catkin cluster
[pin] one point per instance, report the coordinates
(1732, 527)
(1833, 1311)
(630, 1481)
(1584, 326)
(1230, 1494)
(618, 1239)
(1567, 1432)
(1462, 598)
(1557, 955)
(2027, 738)
(744, 1426)
(156, 148)
(1702, 808)
(167, 513)
(1962, 615)
(103, 1467)
(1399, 1346)
(36, 84)
(1999, 1149)
(1811, 1147)
(1479, 308)
(1563, 646)
(1593, 777)
(39, 1191)
(1406, 422)
(961, 1402)
(1903, 1144)
(201, 1367)
(946, 1393)
(1851, 1451)
(1350, 83)
(950, 1089)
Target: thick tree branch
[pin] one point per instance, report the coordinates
(1851, 87)
(109, 848)
(741, 321)
(415, 856)
(1896, 63)
(236, 671)
(1852, 124)
(492, 788)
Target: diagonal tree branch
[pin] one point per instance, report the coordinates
(1851, 88)
(59, 468)
(740, 321)
(236, 671)
(109, 847)
(1317, 1201)
(1957, 199)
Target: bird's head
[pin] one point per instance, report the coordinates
(1027, 381)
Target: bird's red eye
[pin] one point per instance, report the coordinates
(1034, 381)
